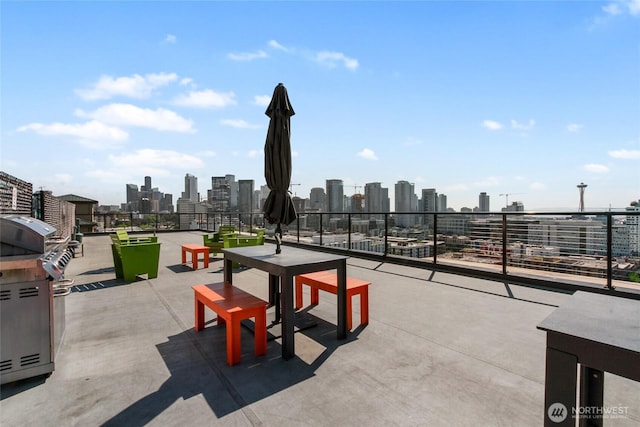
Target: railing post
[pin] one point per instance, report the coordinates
(298, 229)
(435, 238)
(609, 250)
(349, 231)
(321, 229)
(504, 243)
(386, 233)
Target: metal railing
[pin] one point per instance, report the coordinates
(591, 249)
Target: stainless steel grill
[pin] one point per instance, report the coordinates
(32, 258)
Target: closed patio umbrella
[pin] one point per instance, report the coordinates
(278, 208)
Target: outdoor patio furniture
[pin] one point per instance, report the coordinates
(195, 250)
(232, 305)
(133, 257)
(328, 282)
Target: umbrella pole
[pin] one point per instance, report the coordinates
(278, 236)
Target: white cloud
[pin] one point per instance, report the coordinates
(208, 153)
(186, 81)
(205, 99)
(574, 127)
(593, 167)
(620, 7)
(92, 130)
(275, 45)
(160, 159)
(239, 123)
(171, 39)
(523, 126)
(333, 59)
(262, 100)
(491, 125)
(368, 154)
(255, 153)
(625, 154)
(249, 56)
(135, 86)
(130, 115)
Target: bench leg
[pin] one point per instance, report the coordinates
(298, 293)
(184, 256)
(315, 295)
(205, 254)
(364, 306)
(194, 259)
(349, 311)
(233, 342)
(260, 333)
(199, 311)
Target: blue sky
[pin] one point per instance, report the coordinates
(528, 98)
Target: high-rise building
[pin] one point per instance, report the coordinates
(376, 200)
(405, 201)
(233, 191)
(442, 203)
(133, 198)
(429, 204)
(483, 202)
(335, 196)
(317, 199)
(191, 188)
(633, 225)
(219, 196)
(245, 198)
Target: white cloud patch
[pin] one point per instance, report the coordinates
(249, 56)
(160, 159)
(135, 86)
(275, 45)
(625, 154)
(574, 127)
(255, 153)
(93, 131)
(595, 168)
(333, 59)
(130, 115)
(171, 39)
(205, 99)
(262, 100)
(492, 125)
(412, 142)
(186, 81)
(368, 154)
(523, 126)
(621, 7)
(239, 123)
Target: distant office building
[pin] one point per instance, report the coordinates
(335, 196)
(133, 198)
(483, 202)
(429, 204)
(405, 199)
(220, 194)
(245, 198)
(376, 200)
(357, 204)
(233, 191)
(191, 188)
(442, 203)
(317, 199)
(514, 207)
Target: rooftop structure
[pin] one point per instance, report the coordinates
(440, 350)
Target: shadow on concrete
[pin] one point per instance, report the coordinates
(95, 286)
(197, 366)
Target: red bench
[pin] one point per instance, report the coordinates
(232, 305)
(328, 282)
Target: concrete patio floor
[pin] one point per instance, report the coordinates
(440, 350)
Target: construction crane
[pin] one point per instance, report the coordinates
(355, 188)
(507, 197)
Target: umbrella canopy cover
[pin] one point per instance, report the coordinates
(278, 208)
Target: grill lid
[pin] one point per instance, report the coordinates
(23, 235)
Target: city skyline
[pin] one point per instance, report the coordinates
(521, 100)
